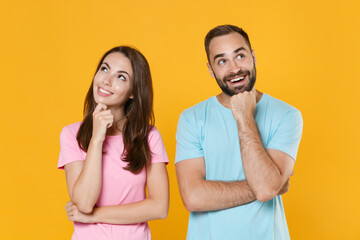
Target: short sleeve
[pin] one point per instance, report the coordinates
(188, 138)
(157, 148)
(69, 148)
(288, 133)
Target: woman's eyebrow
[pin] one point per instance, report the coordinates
(120, 71)
(107, 65)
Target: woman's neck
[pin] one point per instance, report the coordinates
(118, 123)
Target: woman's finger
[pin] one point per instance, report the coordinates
(68, 205)
(102, 113)
(100, 107)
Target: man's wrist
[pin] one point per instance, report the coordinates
(245, 123)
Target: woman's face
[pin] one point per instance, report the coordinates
(113, 81)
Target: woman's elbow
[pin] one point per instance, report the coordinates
(84, 207)
(83, 204)
(161, 212)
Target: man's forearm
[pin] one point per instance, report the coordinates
(262, 173)
(208, 195)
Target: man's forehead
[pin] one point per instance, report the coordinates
(228, 43)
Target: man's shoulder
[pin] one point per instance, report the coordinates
(278, 110)
(197, 109)
(278, 105)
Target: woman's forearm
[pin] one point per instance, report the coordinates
(138, 212)
(87, 187)
(156, 206)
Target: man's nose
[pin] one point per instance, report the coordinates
(234, 66)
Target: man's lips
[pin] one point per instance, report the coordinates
(237, 79)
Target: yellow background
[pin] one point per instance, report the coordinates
(307, 53)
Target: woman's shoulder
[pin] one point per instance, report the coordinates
(71, 129)
(154, 132)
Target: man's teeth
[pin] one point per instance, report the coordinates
(237, 79)
(104, 91)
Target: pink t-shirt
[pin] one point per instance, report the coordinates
(119, 186)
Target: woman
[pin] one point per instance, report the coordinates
(114, 152)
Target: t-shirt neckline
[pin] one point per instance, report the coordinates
(229, 110)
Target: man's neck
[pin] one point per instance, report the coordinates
(224, 99)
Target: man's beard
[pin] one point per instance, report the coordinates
(225, 88)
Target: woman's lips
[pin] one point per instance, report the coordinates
(103, 92)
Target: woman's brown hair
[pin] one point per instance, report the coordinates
(138, 111)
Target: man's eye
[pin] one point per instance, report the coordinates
(222, 61)
(239, 56)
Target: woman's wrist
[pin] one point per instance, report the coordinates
(94, 216)
(97, 141)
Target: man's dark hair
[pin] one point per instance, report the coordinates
(223, 30)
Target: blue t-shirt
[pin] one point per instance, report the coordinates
(209, 130)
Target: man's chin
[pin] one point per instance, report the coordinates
(240, 90)
(233, 91)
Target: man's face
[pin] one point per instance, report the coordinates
(232, 63)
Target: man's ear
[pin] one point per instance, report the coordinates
(210, 70)
(254, 57)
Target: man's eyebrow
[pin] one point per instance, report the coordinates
(239, 49)
(223, 54)
(219, 55)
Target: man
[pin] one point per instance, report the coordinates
(236, 151)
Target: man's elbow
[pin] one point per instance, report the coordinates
(189, 206)
(191, 203)
(262, 197)
(266, 193)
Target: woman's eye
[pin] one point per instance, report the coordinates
(104, 69)
(121, 77)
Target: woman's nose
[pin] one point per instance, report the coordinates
(107, 80)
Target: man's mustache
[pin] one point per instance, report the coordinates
(238, 74)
